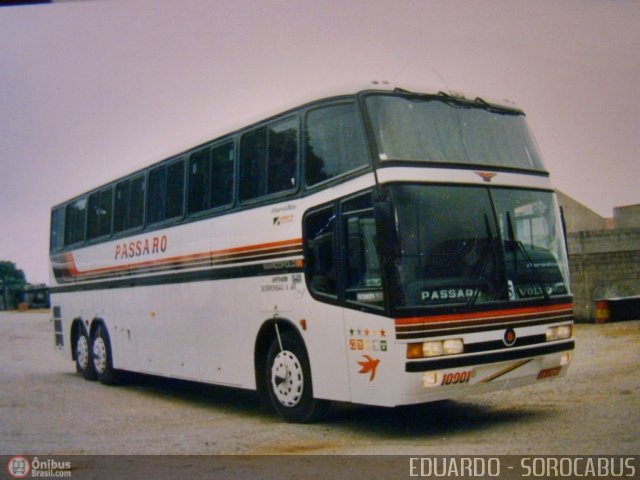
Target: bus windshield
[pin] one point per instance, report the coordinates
(468, 245)
(440, 129)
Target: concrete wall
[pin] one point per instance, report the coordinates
(579, 218)
(603, 264)
(627, 217)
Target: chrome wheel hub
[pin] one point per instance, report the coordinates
(82, 352)
(99, 355)
(287, 379)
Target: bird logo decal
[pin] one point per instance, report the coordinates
(369, 366)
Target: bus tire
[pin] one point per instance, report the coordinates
(288, 379)
(101, 356)
(84, 362)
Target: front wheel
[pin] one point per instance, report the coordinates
(288, 379)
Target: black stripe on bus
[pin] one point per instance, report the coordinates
(513, 323)
(63, 274)
(484, 358)
(246, 271)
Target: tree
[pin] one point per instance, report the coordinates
(12, 282)
(11, 275)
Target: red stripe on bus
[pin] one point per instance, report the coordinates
(497, 314)
(73, 269)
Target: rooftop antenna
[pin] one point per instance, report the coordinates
(446, 85)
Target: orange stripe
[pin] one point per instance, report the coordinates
(504, 371)
(214, 253)
(456, 317)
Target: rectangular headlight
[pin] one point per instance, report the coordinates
(453, 346)
(558, 333)
(435, 348)
(432, 349)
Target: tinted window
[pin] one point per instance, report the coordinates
(165, 198)
(156, 199)
(334, 143)
(175, 190)
(129, 204)
(320, 251)
(253, 164)
(75, 221)
(199, 180)
(283, 154)
(440, 129)
(100, 214)
(57, 229)
(268, 159)
(211, 178)
(121, 207)
(222, 158)
(136, 205)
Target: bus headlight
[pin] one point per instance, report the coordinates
(432, 349)
(558, 333)
(453, 346)
(435, 348)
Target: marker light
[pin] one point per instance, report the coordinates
(435, 348)
(558, 333)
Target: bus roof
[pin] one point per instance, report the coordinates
(257, 107)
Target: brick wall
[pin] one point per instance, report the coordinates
(603, 264)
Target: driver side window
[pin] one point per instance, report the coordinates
(342, 262)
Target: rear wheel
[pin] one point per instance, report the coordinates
(101, 356)
(288, 379)
(84, 365)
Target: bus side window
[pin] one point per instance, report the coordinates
(57, 230)
(100, 213)
(283, 155)
(165, 198)
(269, 159)
(199, 181)
(334, 143)
(129, 204)
(253, 160)
(75, 221)
(222, 172)
(320, 261)
(211, 178)
(175, 190)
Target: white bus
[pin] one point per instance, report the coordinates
(382, 247)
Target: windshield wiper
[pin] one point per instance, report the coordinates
(489, 253)
(457, 101)
(521, 248)
(482, 103)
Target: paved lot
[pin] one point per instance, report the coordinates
(45, 408)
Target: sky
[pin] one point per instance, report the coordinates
(91, 90)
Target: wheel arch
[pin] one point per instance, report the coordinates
(95, 323)
(264, 338)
